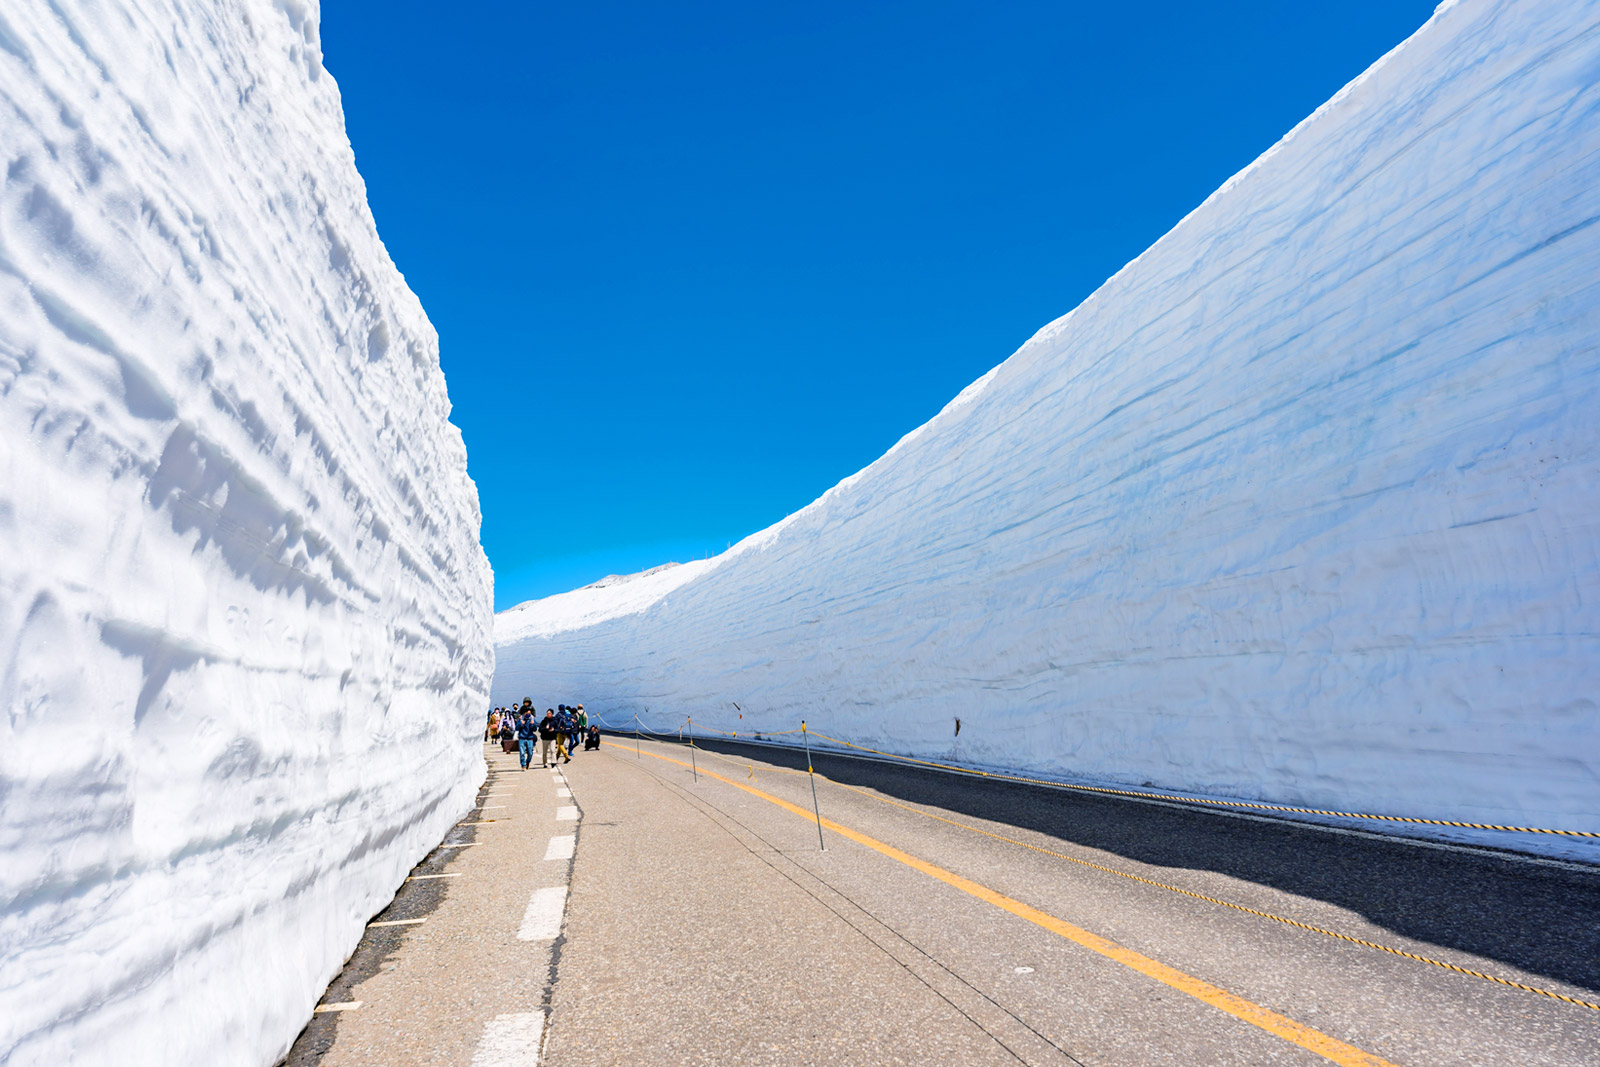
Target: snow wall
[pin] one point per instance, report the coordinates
(245, 615)
(1302, 505)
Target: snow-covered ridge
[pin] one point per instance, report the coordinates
(1302, 505)
(609, 598)
(245, 612)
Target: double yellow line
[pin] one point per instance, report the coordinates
(1330, 1048)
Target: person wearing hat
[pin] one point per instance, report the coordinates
(564, 729)
(527, 730)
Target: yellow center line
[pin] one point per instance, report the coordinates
(1330, 1048)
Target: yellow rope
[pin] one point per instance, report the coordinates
(1225, 903)
(999, 776)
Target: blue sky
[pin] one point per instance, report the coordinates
(692, 263)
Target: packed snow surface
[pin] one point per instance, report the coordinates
(1302, 505)
(246, 618)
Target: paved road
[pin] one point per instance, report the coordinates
(953, 920)
(707, 927)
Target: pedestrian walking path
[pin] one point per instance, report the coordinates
(463, 976)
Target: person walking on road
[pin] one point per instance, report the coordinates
(527, 730)
(564, 728)
(580, 726)
(547, 734)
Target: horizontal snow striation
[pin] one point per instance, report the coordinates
(244, 611)
(1302, 505)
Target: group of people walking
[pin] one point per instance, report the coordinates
(561, 728)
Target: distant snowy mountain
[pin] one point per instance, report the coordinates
(245, 611)
(622, 579)
(1303, 504)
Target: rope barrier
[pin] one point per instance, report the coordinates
(1257, 912)
(1226, 903)
(1171, 797)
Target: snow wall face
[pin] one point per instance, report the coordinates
(1302, 505)
(245, 615)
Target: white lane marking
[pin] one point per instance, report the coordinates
(1024, 970)
(467, 844)
(493, 807)
(542, 920)
(484, 822)
(418, 877)
(566, 813)
(563, 791)
(343, 1005)
(561, 848)
(399, 922)
(510, 1041)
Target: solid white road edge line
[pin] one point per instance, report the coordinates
(510, 1041)
(542, 920)
(562, 847)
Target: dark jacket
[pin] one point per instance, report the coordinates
(527, 729)
(547, 727)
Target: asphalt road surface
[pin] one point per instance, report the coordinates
(953, 920)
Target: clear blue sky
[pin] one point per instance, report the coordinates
(692, 263)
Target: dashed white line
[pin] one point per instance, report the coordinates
(343, 1005)
(561, 848)
(419, 877)
(399, 922)
(542, 920)
(563, 791)
(567, 813)
(510, 1041)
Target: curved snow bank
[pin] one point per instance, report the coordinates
(243, 606)
(1302, 505)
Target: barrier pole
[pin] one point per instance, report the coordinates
(813, 773)
(692, 768)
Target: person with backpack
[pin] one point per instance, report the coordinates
(547, 734)
(564, 728)
(580, 726)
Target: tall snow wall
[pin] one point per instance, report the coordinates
(1302, 505)
(245, 616)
